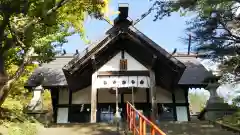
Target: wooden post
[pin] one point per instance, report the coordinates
(187, 102)
(132, 97)
(117, 100)
(94, 99)
(153, 96)
(174, 105)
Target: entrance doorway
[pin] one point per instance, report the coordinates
(106, 103)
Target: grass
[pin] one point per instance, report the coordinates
(15, 120)
(232, 120)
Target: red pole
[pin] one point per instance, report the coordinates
(152, 131)
(140, 127)
(134, 122)
(144, 127)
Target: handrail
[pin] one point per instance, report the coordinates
(143, 121)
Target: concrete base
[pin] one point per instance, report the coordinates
(218, 110)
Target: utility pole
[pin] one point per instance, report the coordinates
(189, 43)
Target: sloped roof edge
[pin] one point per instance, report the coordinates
(138, 33)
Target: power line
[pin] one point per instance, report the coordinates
(143, 16)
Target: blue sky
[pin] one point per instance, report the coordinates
(166, 32)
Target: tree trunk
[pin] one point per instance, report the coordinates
(2, 69)
(3, 76)
(6, 88)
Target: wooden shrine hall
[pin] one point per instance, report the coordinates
(124, 66)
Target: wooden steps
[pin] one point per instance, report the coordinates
(83, 129)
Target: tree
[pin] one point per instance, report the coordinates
(214, 28)
(35, 28)
(197, 101)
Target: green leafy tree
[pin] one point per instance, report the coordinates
(35, 28)
(214, 28)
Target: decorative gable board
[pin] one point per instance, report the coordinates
(113, 64)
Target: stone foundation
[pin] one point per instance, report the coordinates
(218, 110)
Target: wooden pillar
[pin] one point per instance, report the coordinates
(55, 97)
(174, 105)
(94, 99)
(69, 104)
(153, 97)
(187, 102)
(147, 96)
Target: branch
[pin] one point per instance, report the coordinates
(9, 44)
(237, 38)
(3, 25)
(13, 32)
(49, 12)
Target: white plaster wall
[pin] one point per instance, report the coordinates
(82, 96)
(62, 115)
(132, 63)
(113, 64)
(162, 95)
(139, 96)
(182, 113)
(63, 96)
(179, 96)
(104, 96)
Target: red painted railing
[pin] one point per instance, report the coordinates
(139, 125)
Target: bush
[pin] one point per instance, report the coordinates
(233, 120)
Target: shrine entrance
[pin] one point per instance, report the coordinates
(106, 107)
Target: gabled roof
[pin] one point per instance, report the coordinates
(124, 36)
(51, 72)
(110, 36)
(194, 73)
